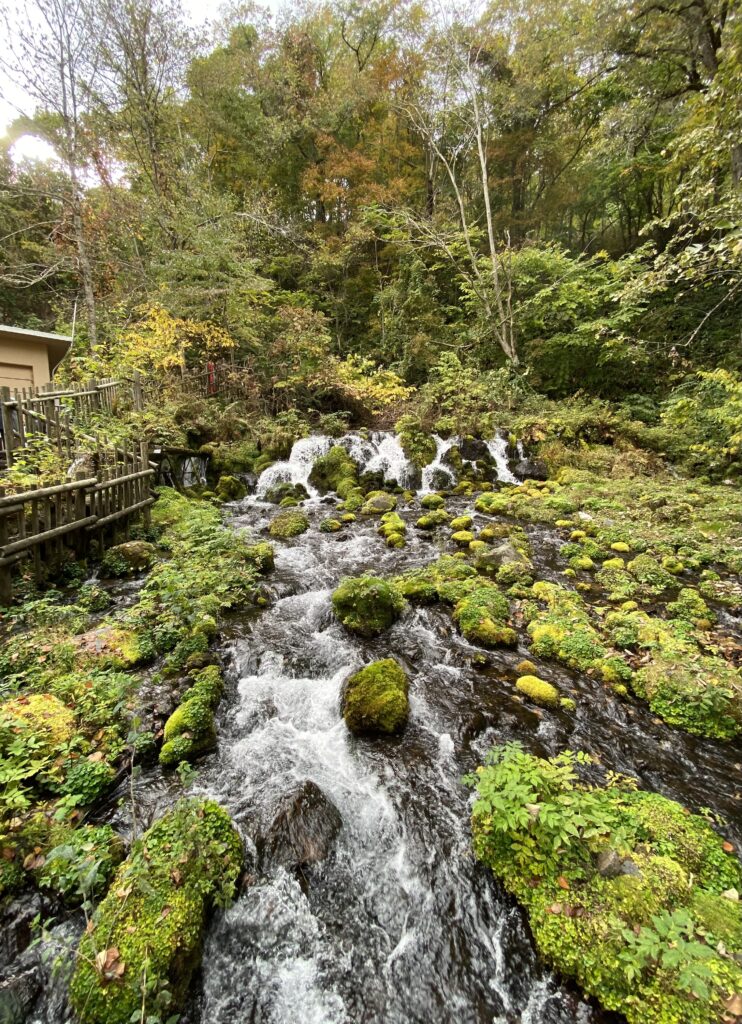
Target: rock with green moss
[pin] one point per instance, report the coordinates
(563, 629)
(335, 471)
(126, 559)
(432, 501)
(538, 691)
(147, 933)
(375, 699)
(284, 492)
(367, 605)
(287, 524)
(461, 523)
(393, 528)
(261, 556)
(462, 537)
(377, 503)
(417, 443)
(230, 488)
(330, 525)
(189, 732)
(625, 891)
(431, 520)
(483, 617)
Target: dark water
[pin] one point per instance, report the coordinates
(398, 925)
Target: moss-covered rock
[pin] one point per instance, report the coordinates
(335, 471)
(290, 523)
(330, 525)
(483, 617)
(432, 501)
(125, 559)
(538, 691)
(230, 488)
(375, 699)
(286, 492)
(393, 528)
(377, 503)
(629, 901)
(431, 520)
(367, 605)
(461, 523)
(463, 538)
(189, 732)
(261, 556)
(146, 934)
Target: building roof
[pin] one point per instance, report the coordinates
(58, 345)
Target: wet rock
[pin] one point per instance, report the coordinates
(18, 993)
(376, 701)
(611, 864)
(230, 488)
(303, 830)
(493, 558)
(531, 469)
(276, 494)
(16, 929)
(473, 449)
(125, 559)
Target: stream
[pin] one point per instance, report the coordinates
(398, 924)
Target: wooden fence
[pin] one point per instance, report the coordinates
(40, 523)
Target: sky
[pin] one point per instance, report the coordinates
(12, 99)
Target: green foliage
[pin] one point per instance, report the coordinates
(287, 524)
(620, 885)
(367, 605)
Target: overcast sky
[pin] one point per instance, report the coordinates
(11, 99)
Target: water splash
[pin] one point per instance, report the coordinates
(498, 449)
(298, 466)
(436, 466)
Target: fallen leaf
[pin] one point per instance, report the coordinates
(165, 911)
(562, 882)
(109, 964)
(96, 756)
(555, 908)
(727, 847)
(734, 1004)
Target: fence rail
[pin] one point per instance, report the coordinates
(36, 523)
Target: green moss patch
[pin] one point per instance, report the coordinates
(287, 524)
(375, 699)
(367, 605)
(624, 889)
(335, 471)
(146, 934)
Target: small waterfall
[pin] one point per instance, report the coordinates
(436, 466)
(193, 470)
(298, 466)
(498, 449)
(389, 459)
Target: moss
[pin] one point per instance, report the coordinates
(189, 732)
(483, 617)
(347, 517)
(367, 605)
(335, 471)
(261, 556)
(564, 630)
(463, 538)
(230, 488)
(690, 606)
(592, 926)
(288, 524)
(461, 523)
(147, 932)
(581, 563)
(330, 525)
(432, 501)
(80, 861)
(42, 718)
(125, 559)
(621, 547)
(375, 699)
(392, 525)
(282, 492)
(378, 502)
(432, 520)
(702, 696)
(538, 691)
(525, 668)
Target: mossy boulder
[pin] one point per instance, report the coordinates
(126, 559)
(437, 517)
(335, 471)
(42, 718)
(432, 501)
(289, 523)
(375, 699)
(482, 616)
(367, 605)
(189, 732)
(111, 645)
(377, 503)
(610, 873)
(461, 523)
(463, 538)
(261, 556)
(538, 691)
(279, 493)
(330, 525)
(230, 488)
(393, 525)
(147, 932)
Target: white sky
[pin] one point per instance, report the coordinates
(13, 100)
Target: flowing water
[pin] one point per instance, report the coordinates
(398, 924)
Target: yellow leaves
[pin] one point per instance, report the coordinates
(161, 341)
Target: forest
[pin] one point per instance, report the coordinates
(414, 692)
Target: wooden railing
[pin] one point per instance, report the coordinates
(40, 523)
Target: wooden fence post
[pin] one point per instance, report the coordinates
(7, 425)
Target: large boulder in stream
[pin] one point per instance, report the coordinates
(367, 605)
(531, 469)
(303, 829)
(377, 503)
(375, 699)
(147, 932)
(335, 471)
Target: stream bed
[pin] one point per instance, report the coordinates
(397, 924)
